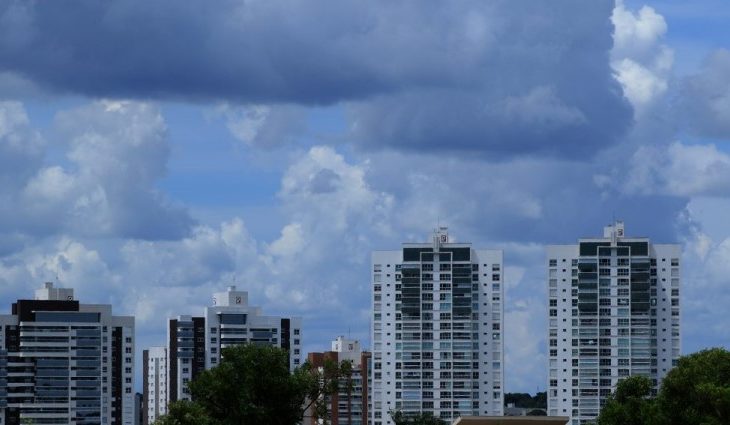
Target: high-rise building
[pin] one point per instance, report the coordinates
(613, 307)
(65, 362)
(195, 343)
(437, 330)
(154, 385)
(349, 405)
(231, 321)
(185, 354)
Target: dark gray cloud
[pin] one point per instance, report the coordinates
(502, 77)
(543, 86)
(705, 98)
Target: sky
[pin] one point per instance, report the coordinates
(152, 153)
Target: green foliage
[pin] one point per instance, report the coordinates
(629, 404)
(526, 401)
(697, 391)
(184, 413)
(419, 419)
(536, 412)
(329, 379)
(252, 385)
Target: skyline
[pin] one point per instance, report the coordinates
(151, 168)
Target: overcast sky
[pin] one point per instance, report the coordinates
(152, 153)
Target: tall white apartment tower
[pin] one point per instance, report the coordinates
(613, 307)
(62, 362)
(437, 330)
(154, 386)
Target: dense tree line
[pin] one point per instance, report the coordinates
(525, 400)
(696, 392)
(253, 385)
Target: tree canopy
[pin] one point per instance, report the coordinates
(525, 400)
(695, 392)
(418, 419)
(253, 385)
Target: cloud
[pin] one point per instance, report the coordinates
(116, 151)
(640, 59)
(679, 170)
(538, 89)
(705, 98)
(705, 257)
(21, 146)
(265, 126)
(492, 78)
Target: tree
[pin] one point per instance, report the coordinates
(326, 380)
(524, 400)
(536, 412)
(629, 404)
(185, 412)
(401, 418)
(252, 385)
(697, 391)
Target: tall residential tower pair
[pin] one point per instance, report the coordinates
(437, 325)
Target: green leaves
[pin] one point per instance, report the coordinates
(696, 392)
(418, 419)
(185, 413)
(253, 385)
(629, 404)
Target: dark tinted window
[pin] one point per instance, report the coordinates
(591, 248)
(459, 254)
(66, 316)
(637, 248)
(233, 319)
(414, 254)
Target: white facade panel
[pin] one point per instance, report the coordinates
(437, 331)
(613, 312)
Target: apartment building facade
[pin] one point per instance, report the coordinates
(64, 362)
(437, 329)
(613, 312)
(154, 384)
(350, 405)
(195, 343)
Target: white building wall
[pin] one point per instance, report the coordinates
(156, 383)
(625, 336)
(485, 331)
